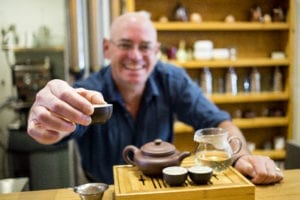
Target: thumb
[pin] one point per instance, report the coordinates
(92, 96)
(245, 167)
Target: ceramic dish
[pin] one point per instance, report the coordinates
(200, 174)
(175, 175)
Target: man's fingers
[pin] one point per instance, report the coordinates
(267, 172)
(261, 169)
(245, 167)
(70, 96)
(40, 134)
(47, 127)
(62, 108)
(92, 96)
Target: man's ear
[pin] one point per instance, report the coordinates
(106, 48)
(157, 47)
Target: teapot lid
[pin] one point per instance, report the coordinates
(158, 148)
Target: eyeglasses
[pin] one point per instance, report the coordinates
(125, 45)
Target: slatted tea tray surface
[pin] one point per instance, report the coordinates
(132, 184)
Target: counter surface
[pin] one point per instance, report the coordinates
(288, 189)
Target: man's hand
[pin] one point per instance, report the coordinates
(58, 108)
(260, 169)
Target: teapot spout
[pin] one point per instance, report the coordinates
(183, 155)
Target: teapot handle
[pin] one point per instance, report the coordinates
(126, 151)
(239, 144)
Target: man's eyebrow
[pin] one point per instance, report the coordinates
(124, 40)
(128, 40)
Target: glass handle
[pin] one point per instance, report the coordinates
(239, 142)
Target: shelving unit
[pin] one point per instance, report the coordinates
(254, 42)
(55, 54)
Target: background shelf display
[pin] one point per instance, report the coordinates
(254, 43)
(218, 26)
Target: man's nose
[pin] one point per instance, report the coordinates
(135, 52)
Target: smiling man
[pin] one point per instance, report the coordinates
(146, 94)
(132, 50)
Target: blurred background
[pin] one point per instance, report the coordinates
(58, 39)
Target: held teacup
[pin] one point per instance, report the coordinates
(102, 113)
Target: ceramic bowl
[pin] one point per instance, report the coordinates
(200, 174)
(102, 113)
(175, 175)
(91, 191)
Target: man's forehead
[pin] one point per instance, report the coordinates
(132, 21)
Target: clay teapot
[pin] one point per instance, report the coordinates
(152, 157)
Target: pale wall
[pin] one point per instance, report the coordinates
(28, 15)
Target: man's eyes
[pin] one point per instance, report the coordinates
(144, 47)
(125, 46)
(129, 46)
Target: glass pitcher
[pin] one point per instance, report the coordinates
(214, 149)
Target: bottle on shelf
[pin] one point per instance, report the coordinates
(246, 85)
(189, 54)
(206, 81)
(255, 84)
(181, 54)
(277, 80)
(231, 81)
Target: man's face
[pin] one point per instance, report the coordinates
(132, 51)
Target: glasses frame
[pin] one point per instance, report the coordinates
(128, 45)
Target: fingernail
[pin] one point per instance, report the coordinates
(87, 119)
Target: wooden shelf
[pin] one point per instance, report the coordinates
(261, 122)
(220, 26)
(249, 97)
(257, 122)
(241, 62)
(182, 128)
(39, 49)
(274, 154)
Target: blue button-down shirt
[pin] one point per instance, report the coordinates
(169, 94)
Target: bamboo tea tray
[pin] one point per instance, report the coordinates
(132, 184)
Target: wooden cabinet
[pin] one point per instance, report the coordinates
(262, 116)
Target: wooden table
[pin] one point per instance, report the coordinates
(288, 189)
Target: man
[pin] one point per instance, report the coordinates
(146, 95)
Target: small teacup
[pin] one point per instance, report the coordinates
(200, 174)
(102, 113)
(91, 191)
(175, 175)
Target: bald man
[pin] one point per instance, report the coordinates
(146, 94)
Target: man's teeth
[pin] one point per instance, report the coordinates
(134, 67)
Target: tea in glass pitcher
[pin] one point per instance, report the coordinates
(214, 148)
